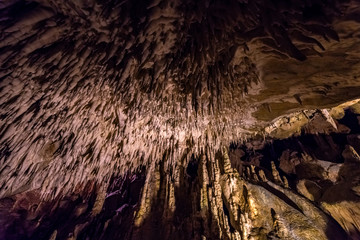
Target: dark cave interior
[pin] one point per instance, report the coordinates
(179, 119)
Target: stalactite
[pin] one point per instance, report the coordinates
(118, 116)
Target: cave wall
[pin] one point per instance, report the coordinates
(91, 88)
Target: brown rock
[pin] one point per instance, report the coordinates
(309, 189)
(288, 161)
(350, 155)
(310, 170)
(354, 141)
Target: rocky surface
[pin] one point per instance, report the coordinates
(116, 119)
(321, 165)
(293, 188)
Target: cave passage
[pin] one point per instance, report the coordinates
(179, 119)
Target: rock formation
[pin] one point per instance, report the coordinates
(179, 119)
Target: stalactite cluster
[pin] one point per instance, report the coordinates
(115, 111)
(95, 87)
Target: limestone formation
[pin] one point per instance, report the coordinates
(179, 119)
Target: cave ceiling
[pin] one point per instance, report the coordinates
(91, 89)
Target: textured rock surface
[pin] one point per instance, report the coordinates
(114, 115)
(322, 167)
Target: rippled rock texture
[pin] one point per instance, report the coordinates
(116, 117)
